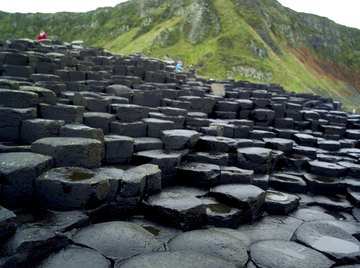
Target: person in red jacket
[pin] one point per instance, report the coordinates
(42, 36)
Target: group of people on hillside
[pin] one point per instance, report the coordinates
(180, 68)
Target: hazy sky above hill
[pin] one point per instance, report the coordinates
(341, 11)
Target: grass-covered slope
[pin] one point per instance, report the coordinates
(256, 40)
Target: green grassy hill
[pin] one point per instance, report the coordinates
(255, 40)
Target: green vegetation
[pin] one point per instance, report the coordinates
(255, 40)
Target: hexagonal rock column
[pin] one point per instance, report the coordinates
(173, 259)
(29, 244)
(212, 242)
(263, 116)
(71, 187)
(280, 203)
(35, 129)
(246, 197)
(17, 173)
(216, 144)
(77, 257)
(197, 174)
(117, 240)
(327, 169)
(276, 253)
(118, 149)
(80, 152)
(168, 161)
(44, 95)
(156, 126)
(287, 182)
(320, 184)
(68, 113)
(179, 139)
(258, 159)
(283, 145)
(99, 120)
(18, 98)
(131, 112)
(77, 130)
(178, 207)
(329, 239)
(10, 122)
(234, 175)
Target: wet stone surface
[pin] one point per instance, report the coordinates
(175, 258)
(143, 167)
(117, 240)
(74, 256)
(211, 242)
(71, 188)
(329, 239)
(283, 254)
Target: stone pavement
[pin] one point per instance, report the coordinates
(116, 161)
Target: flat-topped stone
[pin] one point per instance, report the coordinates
(44, 95)
(75, 256)
(324, 185)
(280, 203)
(68, 151)
(35, 129)
(18, 98)
(235, 175)
(212, 242)
(216, 144)
(68, 113)
(175, 258)
(131, 112)
(327, 169)
(305, 139)
(283, 145)
(257, 159)
(117, 240)
(271, 228)
(287, 182)
(179, 139)
(19, 170)
(77, 130)
(328, 239)
(118, 149)
(216, 158)
(246, 197)
(178, 207)
(71, 187)
(284, 254)
(11, 120)
(199, 174)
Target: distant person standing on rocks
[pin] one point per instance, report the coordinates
(179, 67)
(42, 35)
(192, 69)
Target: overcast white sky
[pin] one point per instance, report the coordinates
(344, 12)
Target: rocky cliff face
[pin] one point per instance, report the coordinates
(256, 40)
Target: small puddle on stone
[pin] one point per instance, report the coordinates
(152, 230)
(324, 179)
(219, 208)
(79, 176)
(276, 196)
(336, 215)
(291, 254)
(335, 245)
